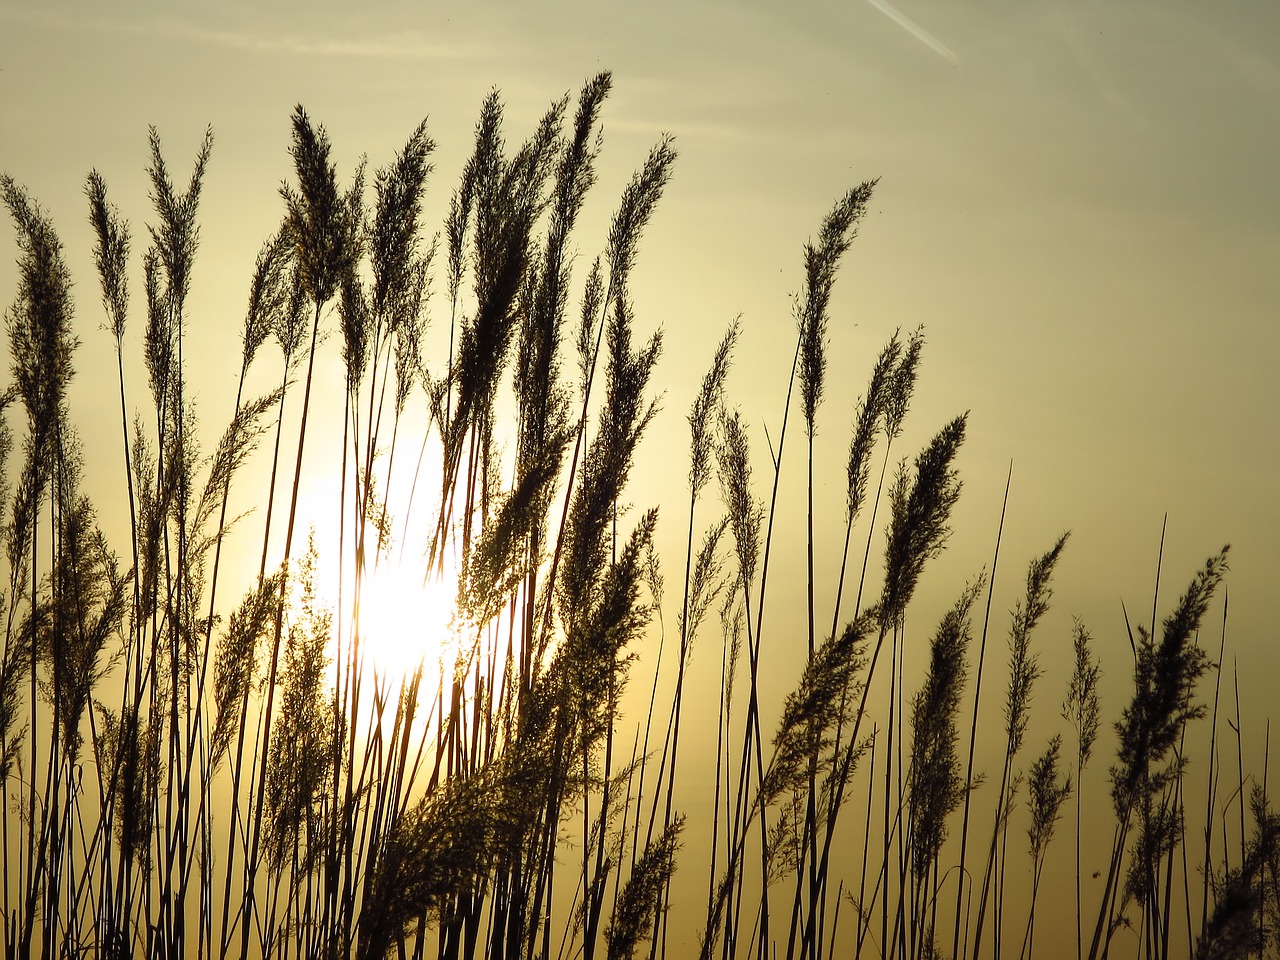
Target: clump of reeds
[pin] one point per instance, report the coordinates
(1244, 920)
(936, 783)
(184, 775)
(643, 893)
(1023, 671)
(1165, 676)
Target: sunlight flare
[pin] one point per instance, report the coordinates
(405, 619)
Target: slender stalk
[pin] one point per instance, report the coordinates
(961, 873)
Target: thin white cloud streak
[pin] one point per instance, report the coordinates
(913, 28)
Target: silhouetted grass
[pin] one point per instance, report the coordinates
(187, 775)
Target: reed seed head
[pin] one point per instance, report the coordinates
(110, 253)
(921, 506)
(821, 259)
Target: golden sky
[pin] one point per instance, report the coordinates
(1079, 200)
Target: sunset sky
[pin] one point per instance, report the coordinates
(1080, 201)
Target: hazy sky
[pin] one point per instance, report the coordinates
(1079, 200)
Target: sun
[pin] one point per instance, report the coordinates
(405, 619)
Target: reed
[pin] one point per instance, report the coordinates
(1082, 710)
(197, 760)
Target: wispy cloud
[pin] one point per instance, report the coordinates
(913, 28)
(405, 46)
(1068, 28)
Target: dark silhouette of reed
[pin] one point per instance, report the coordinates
(199, 762)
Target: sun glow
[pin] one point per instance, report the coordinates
(405, 619)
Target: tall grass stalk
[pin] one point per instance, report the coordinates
(1024, 670)
(961, 935)
(1082, 710)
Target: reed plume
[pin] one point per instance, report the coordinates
(160, 740)
(1049, 788)
(1165, 676)
(936, 783)
(921, 507)
(821, 260)
(642, 893)
(1024, 670)
(1243, 923)
(1082, 710)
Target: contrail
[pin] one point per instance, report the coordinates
(913, 28)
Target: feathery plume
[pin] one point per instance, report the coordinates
(1165, 674)
(39, 321)
(936, 781)
(705, 584)
(1081, 709)
(821, 259)
(921, 507)
(268, 295)
(638, 201)
(236, 660)
(176, 238)
(110, 253)
(393, 235)
(870, 412)
(710, 397)
(813, 709)
(319, 218)
(1048, 787)
(902, 384)
(746, 513)
(1024, 666)
(640, 896)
